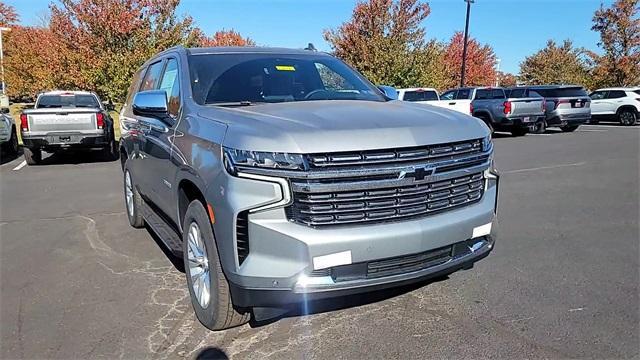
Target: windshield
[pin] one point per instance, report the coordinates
(67, 100)
(258, 78)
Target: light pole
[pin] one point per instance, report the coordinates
(464, 46)
(4, 91)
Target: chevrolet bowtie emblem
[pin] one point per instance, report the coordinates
(417, 173)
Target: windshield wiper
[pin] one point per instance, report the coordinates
(233, 103)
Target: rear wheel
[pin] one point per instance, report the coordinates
(208, 287)
(32, 156)
(540, 127)
(627, 117)
(133, 201)
(569, 128)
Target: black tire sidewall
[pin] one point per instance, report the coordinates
(633, 115)
(196, 212)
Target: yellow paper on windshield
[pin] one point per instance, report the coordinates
(285, 68)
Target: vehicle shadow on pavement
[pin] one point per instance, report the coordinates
(5, 158)
(346, 302)
(71, 157)
(211, 353)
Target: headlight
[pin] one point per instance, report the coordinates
(486, 143)
(256, 159)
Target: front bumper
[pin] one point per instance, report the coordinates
(280, 266)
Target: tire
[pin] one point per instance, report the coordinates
(11, 146)
(540, 127)
(519, 132)
(110, 152)
(132, 200)
(569, 128)
(215, 312)
(486, 121)
(32, 156)
(627, 117)
(594, 121)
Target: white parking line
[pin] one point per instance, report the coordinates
(20, 166)
(612, 126)
(541, 168)
(591, 130)
(529, 134)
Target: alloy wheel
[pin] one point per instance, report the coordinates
(198, 265)
(128, 192)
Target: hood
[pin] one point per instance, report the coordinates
(341, 125)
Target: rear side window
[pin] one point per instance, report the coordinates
(563, 92)
(616, 94)
(497, 94)
(463, 94)
(152, 77)
(597, 95)
(449, 95)
(420, 95)
(483, 94)
(68, 100)
(517, 93)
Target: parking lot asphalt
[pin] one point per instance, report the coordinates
(77, 282)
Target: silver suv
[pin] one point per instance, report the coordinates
(283, 176)
(567, 106)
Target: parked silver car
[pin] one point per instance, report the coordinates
(567, 106)
(284, 176)
(8, 133)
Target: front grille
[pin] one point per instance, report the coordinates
(385, 204)
(242, 236)
(370, 157)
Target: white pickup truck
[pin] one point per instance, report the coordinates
(66, 120)
(500, 109)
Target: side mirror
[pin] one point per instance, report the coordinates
(4, 110)
(151, 103)
(389, 91)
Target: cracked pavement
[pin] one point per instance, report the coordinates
(77, 282)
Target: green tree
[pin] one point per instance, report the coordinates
(555, 64)
(619, 28)
(384, 40)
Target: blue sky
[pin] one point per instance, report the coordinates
(515, 28)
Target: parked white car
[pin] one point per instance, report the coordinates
(456, 99)
(620, 104)
(418, 95)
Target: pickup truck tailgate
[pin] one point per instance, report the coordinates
(526, 107)
(48, 120)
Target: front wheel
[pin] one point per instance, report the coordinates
(32, 156)
(11, 146)
(132, 201)
(569, 128)
(627, 117)
(208, 287)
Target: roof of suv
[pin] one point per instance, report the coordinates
(251, 50)
(551, 86)
(633, 88)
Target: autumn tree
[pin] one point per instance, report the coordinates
(480, 64)
(8, 15)
(563, 64)
(619, 28)
(107, 40)
(384, 40)
(226, 38)
(506, 79)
